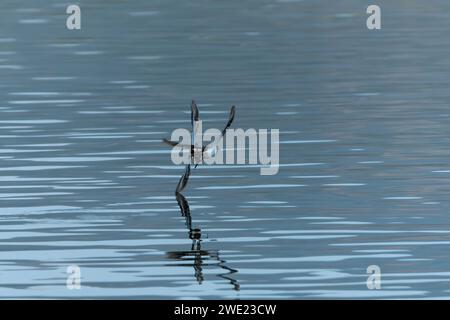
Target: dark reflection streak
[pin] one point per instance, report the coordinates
(196, 254)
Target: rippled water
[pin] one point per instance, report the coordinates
(364, 149)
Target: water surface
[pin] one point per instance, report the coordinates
(364, 148)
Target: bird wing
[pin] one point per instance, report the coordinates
(184, 179)
(176, 144)
(194, 112)
(195, 116)
(230, 119)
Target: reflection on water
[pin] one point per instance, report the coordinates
(364, 173)
(196, 256)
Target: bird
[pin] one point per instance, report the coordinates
(208, 150)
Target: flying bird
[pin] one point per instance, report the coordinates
(206, 150)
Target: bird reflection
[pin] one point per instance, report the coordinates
(196, 257)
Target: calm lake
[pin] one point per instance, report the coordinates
(364, 177)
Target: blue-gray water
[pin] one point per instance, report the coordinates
(364, 118)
